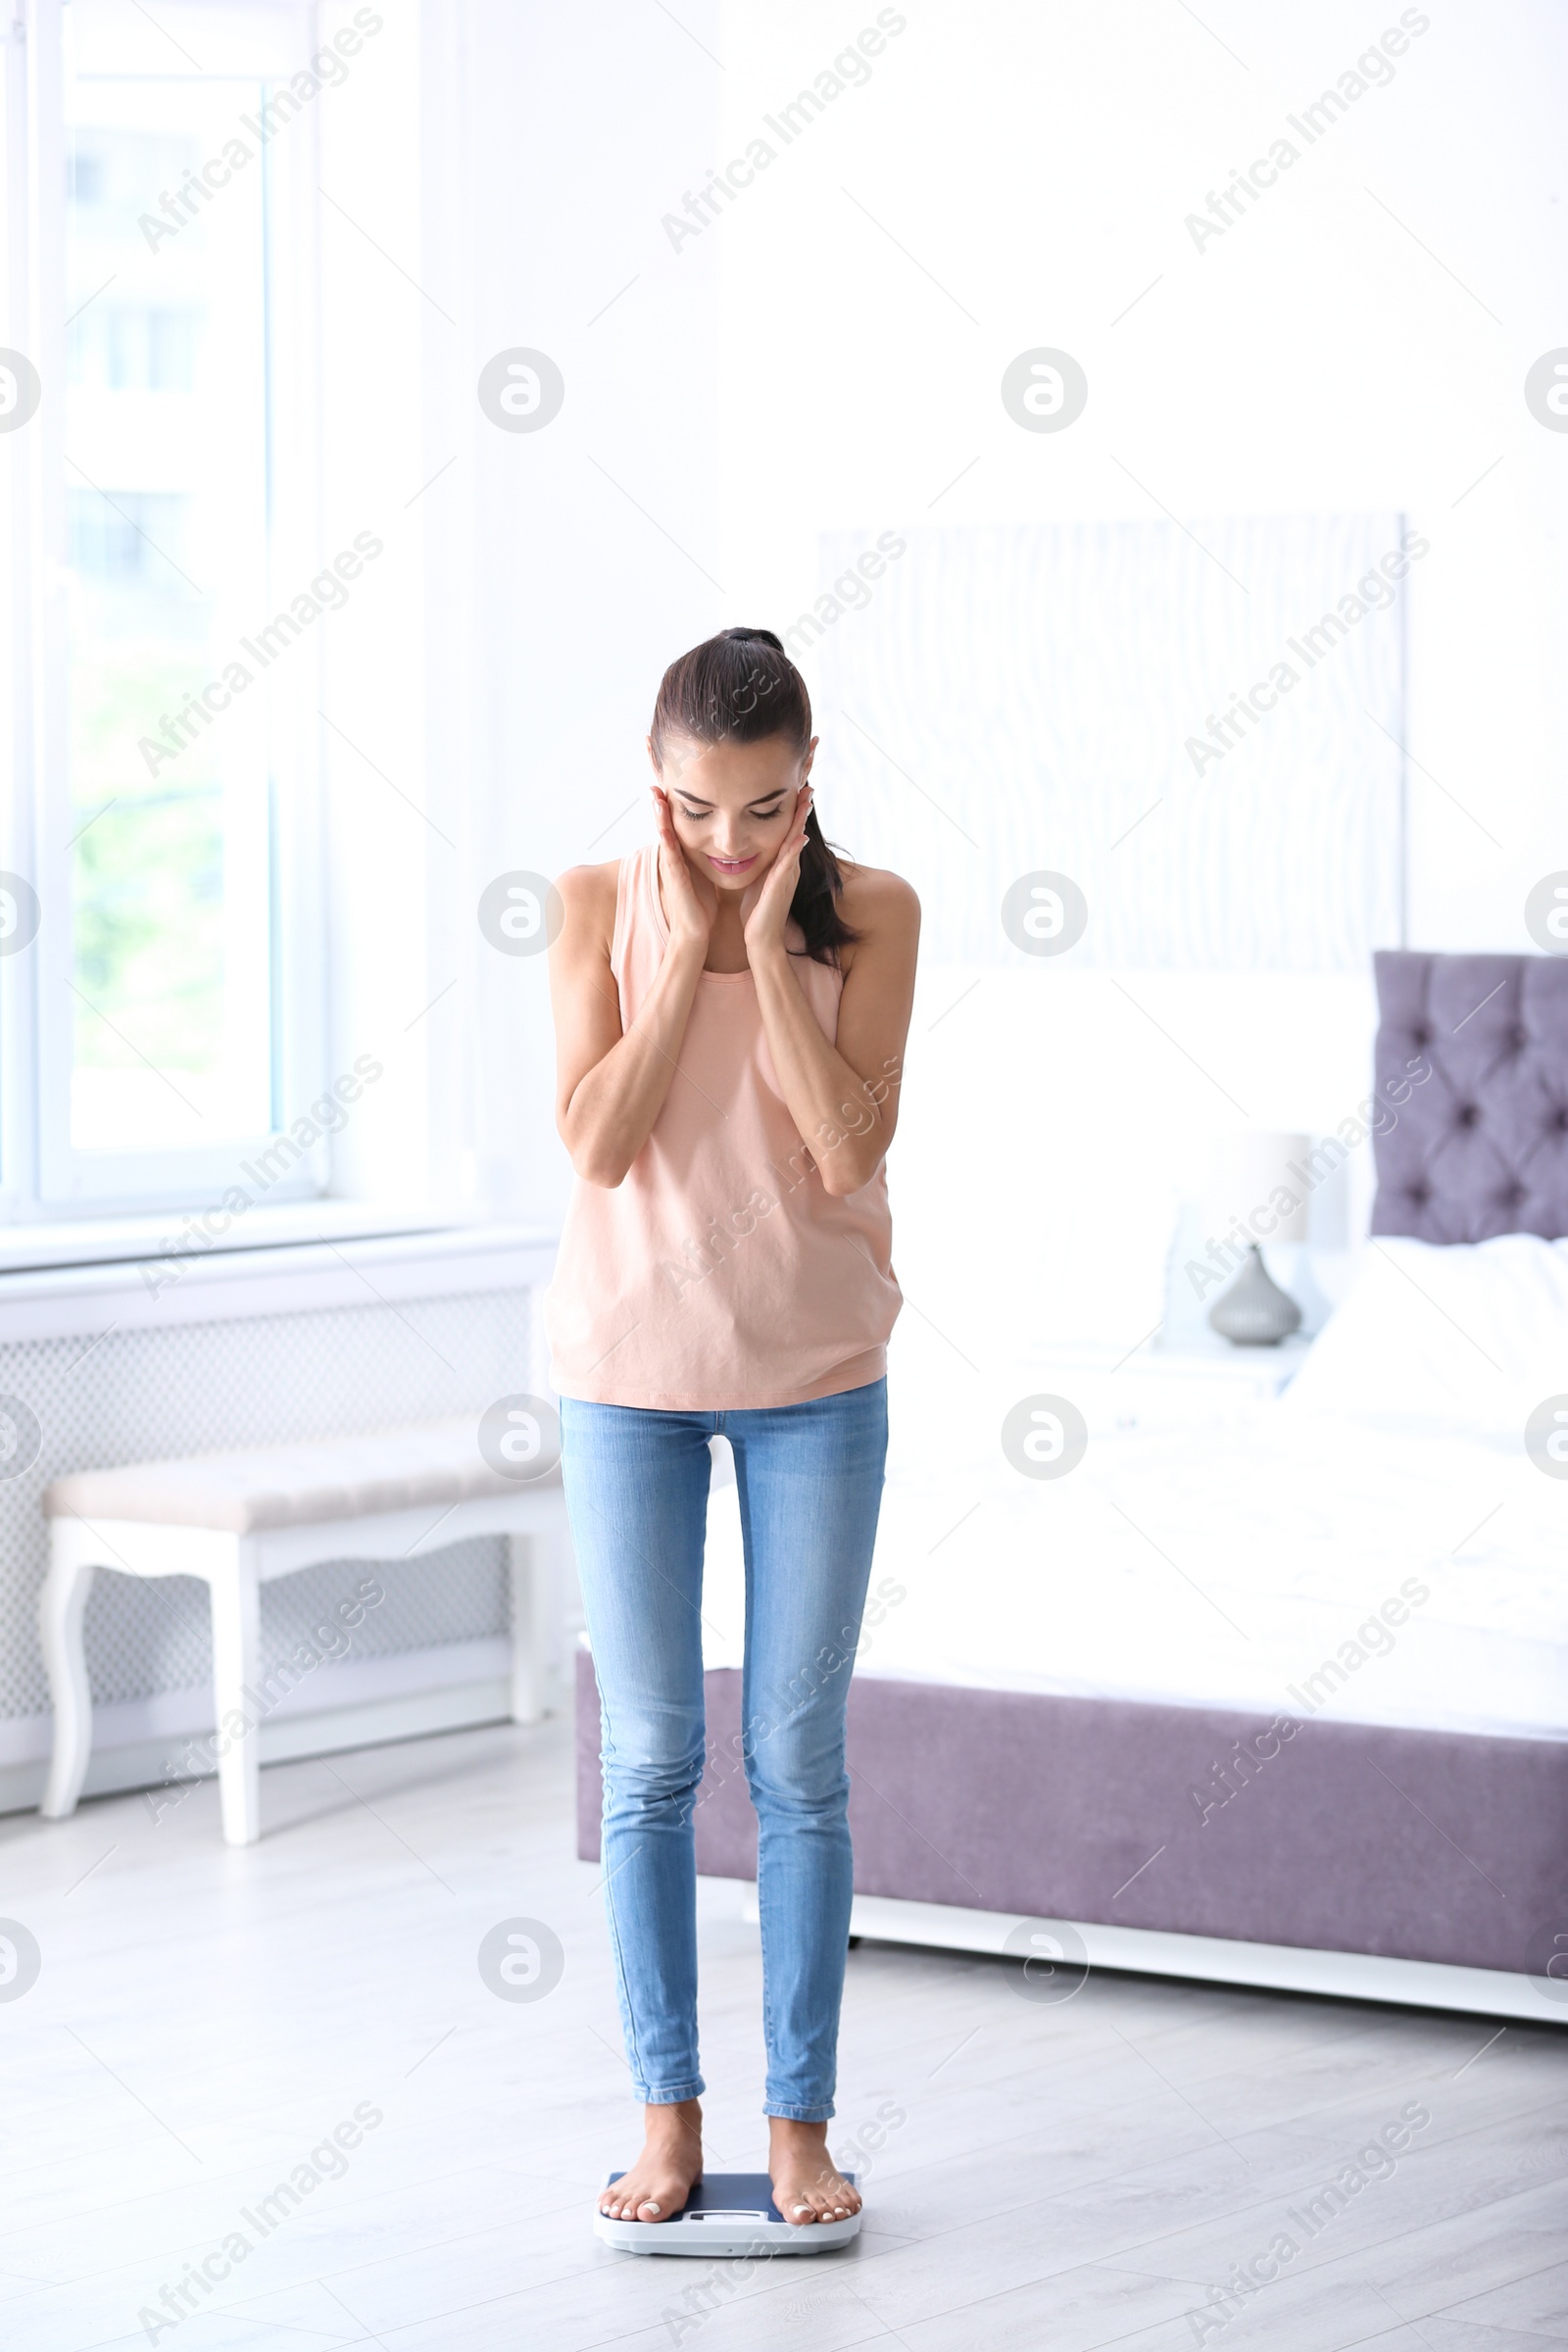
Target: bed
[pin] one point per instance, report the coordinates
(1278, 1702)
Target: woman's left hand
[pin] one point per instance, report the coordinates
(765, 906)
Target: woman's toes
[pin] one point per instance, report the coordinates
(633, 2204)
(804, 2206)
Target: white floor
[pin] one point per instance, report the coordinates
(1063, 2176)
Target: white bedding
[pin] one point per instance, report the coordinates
(1225, 1566)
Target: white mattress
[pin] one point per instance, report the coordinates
(1221, 1567)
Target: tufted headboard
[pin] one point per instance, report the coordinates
(1480, 1147)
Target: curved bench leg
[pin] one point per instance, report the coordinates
(236, 1656)
(529, 1575)
(60, 1605)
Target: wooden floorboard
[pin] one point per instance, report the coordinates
(1083, 2176)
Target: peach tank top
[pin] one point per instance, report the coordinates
(718, 1274)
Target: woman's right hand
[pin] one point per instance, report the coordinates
(690, 901)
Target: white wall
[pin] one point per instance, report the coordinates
(580, 598)
(1355, 342)
(1039, 161)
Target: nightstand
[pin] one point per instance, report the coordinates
(1157, 1387)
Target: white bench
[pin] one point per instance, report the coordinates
(238, 1520)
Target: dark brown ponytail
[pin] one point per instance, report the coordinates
(741, 687)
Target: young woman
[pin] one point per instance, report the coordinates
(732, 1006)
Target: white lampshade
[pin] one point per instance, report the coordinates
(1246, 1172)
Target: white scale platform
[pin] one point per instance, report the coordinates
(726, 2216)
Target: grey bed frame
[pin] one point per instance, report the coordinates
(1359, 1859)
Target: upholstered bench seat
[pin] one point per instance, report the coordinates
(238, 1520)
(289, 1486)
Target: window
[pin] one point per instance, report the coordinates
(175, 996)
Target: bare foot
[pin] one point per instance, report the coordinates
(657, 2187)
(807, 2186)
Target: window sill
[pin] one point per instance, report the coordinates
(126, 1276)
(73, 1241)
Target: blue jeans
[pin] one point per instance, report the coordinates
(810, 1486)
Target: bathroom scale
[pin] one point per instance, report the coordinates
(727, 2214)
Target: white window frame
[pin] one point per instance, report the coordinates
(42, 1177)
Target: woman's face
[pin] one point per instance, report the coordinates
(732, 803)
